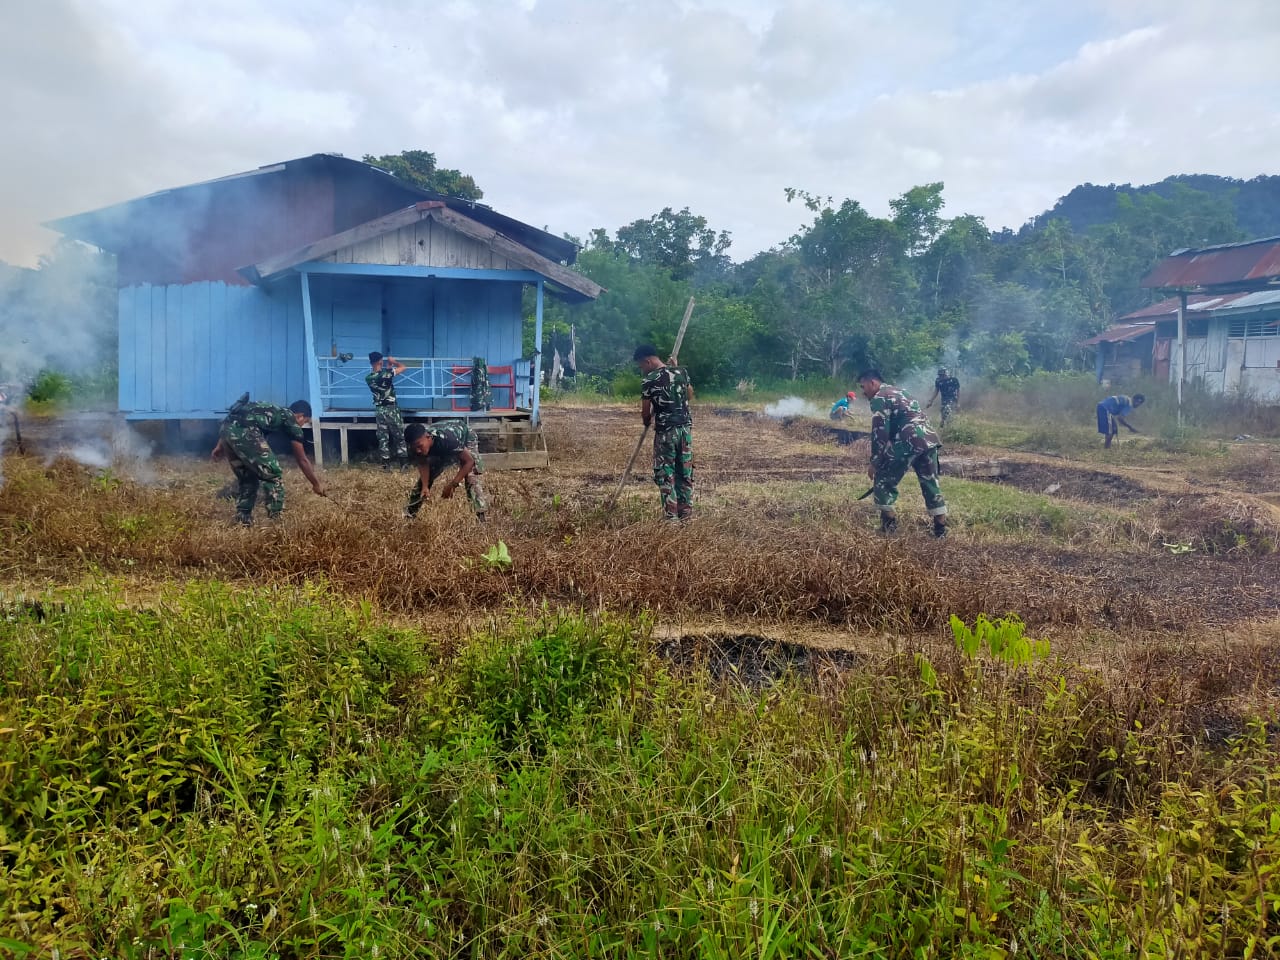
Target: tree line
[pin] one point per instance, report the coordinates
(850, 289)
(910, 289)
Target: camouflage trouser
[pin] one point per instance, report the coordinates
(254, 465)
(673, 470)
(481, 392)
(949, 408)
(474, 483)
(390, 433)
(926, 467)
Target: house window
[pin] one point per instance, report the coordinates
(1252, 327)
(1262, 351)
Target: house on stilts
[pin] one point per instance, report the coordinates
(281, 280)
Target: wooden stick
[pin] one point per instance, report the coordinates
(675, 354)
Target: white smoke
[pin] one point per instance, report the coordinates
(60, 318)
(132, 455)
(4, 438)
(125, 453)
(95, 454)
(794, 407)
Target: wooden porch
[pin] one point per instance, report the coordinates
(509, 440)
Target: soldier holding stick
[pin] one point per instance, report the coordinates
(665, 397)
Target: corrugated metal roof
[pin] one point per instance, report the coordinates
(102, 227)
(1255, 301)
(1120, 333)
(1227, 303)
(1254, 265)
(1168, 307)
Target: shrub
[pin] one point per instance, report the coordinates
(51, 388)
(625, 383)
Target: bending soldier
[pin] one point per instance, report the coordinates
(901, 439)
(434, 449)
(242, 441)
(1112, 412)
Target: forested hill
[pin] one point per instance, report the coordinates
(1256, 202)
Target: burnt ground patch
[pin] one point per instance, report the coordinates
(1073, 483)
(754, 661)
(1160, 591)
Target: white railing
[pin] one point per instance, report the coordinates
(425, 381)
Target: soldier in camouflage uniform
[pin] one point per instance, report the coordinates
(947, 387)
(242, 441)
(438, 446)
(382, 384)
(481, 392)
(665, 395)
(901, 438)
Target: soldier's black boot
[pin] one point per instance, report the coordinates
(939, 528)
(888, 524)
(244, 519)
(386, 466)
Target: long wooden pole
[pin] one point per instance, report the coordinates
(675, 355)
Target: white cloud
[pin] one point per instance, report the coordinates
(578, 113)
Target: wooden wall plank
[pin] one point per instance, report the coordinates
(126, 360)
(157, 358)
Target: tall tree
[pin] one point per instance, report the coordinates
(418, 167)
(681, 243)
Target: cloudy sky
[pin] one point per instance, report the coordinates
(574, 114)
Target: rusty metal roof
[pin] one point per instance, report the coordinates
(1120, 333)
(1254, 265)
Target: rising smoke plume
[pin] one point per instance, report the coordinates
(60, 318)
(794, 407)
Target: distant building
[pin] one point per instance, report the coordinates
(269, 280)
(1123, 351)
(1230, 299)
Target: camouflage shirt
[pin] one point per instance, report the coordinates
(267, 417)
(948, 389)
(448, 439)
(382, 384)
(667, 390)
(899, 429)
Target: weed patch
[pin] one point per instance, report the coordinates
(275, 773)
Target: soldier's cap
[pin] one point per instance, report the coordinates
(943, 371)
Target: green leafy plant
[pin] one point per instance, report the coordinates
(1003, 639)
(497, 557)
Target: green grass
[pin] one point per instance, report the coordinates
(275, 773)
(993, 509)
(986, 510)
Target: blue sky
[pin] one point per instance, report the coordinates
(575, 114)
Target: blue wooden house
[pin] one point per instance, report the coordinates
(281, 280)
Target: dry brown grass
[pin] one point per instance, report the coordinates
(60, 521)
(774, 558)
